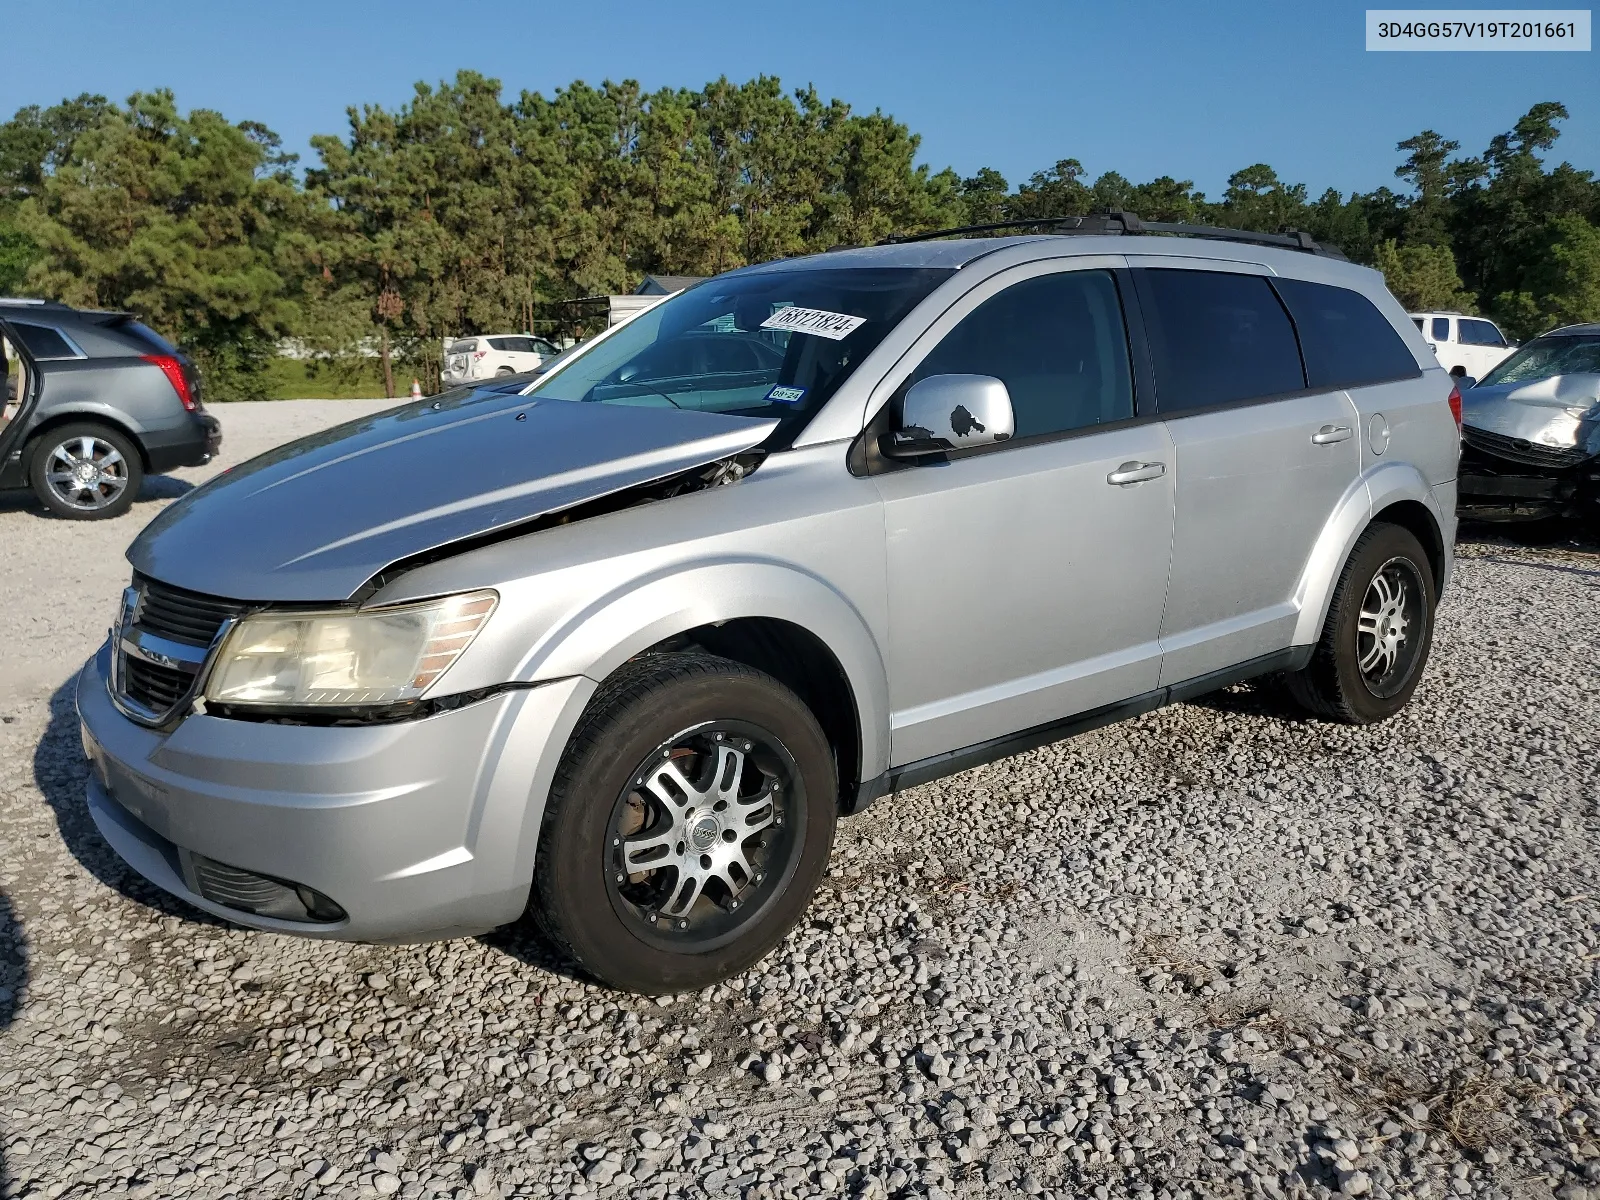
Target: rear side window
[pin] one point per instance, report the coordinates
(1217, 339)
(502, 344)
(1480, 333)
(1441, 329)
(1417, 321)
(1346, 341)
(1059, 345)
(41, 341)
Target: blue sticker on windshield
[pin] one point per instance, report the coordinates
(786, 395)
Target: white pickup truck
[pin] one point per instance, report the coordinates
(1475, 344)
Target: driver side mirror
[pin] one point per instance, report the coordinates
(1466, 381)
(951, 412)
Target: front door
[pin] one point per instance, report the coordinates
(1025, 586)
(1262, 462)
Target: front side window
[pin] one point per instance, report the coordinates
(1217, 338)
(1480, 333)
(1441, 329)
(1346, 341)
(1546, 357)
(770, 343)
(1059, 345)
(42, 341)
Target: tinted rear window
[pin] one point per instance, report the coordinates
(43, 342)
(1346, 341)
(1441, 329)
(1217, 338)
(1480, 333)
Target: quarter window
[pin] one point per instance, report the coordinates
(1057, 342)
(1346, 341)
(1217, 338)
(1480, 333)
(43, 342)
(1441, 329)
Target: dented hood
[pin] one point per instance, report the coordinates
(315, 519)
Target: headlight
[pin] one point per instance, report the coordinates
(346, 658)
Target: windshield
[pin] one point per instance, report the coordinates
(768, 344)
(1561, 354)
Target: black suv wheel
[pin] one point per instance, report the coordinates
(1377, 635)
(688, 826)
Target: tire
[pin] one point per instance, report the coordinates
(1389, 576)
(618, 856)
(59, 454)
(504, 371)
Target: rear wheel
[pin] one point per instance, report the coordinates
(688, 826)
(85, 472)
(1379, 630)
(504, 371)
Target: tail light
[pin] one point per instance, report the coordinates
(173, 370)
(1455, 405)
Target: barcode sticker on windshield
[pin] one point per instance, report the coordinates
(831, 325)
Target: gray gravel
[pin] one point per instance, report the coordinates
(1216, 951)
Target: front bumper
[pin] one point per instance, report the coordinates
(415, 830)
(1498, 487)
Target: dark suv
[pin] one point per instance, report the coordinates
(98, 402)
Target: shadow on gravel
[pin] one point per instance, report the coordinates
(61, 775)
(523, 942)
(1265, 697)
(13, 984)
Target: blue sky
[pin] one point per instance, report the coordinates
(1193, 89)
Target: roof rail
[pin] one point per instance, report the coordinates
(1115, 222)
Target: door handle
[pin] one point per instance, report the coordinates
(1329, 434)
(1136, 472)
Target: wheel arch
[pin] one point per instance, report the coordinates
(1395, 492)
(771, 616)
(80, 416)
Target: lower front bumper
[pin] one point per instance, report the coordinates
(1496, 489)
(417, 830)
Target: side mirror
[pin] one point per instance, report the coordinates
(951, 412)
(1466, 381)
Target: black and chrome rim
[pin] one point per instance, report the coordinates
(86, 473)
(1389, 631)
(705, 836)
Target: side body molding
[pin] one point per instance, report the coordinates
(1372, 493)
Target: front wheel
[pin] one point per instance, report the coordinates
(688, 825)
(1377, 635)
(85, 472)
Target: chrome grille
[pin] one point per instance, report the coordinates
(1520, 450)
(163, 638)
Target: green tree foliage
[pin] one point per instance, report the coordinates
(1423, 277)
(464, 210)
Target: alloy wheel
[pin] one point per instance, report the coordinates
(1387, 627)
(86, 473)
(705, 836)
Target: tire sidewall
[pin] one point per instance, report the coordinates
(38, 461)
(571, 887)
(1387, 543)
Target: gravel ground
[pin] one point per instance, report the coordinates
(1216, 951)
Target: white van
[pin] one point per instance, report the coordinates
(1475, 344)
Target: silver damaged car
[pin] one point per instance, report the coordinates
(618, 652)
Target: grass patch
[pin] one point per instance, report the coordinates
(317, 379)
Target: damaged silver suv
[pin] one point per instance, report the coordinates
(621, 649)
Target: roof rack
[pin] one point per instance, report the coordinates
(1115, 222)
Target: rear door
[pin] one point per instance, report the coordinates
(1262, 461)
(19, 396)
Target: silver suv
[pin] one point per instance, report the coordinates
(620, 650)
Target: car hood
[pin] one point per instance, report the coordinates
(1560, 412)
(315, 519)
